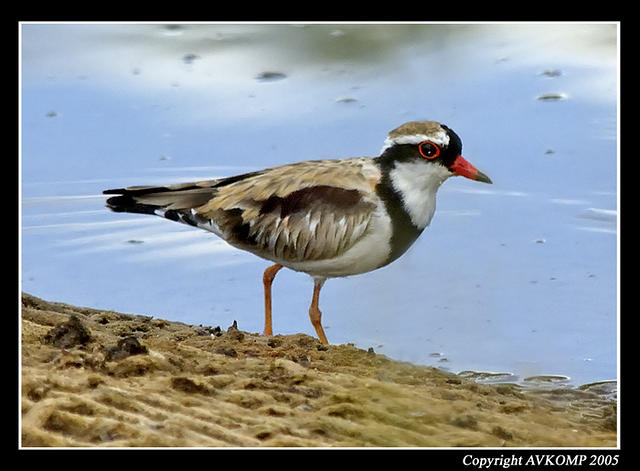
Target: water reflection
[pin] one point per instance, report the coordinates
(228, 62)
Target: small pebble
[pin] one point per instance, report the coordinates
(270, 76)
(551, 96)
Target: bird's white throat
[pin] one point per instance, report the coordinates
(418, 183)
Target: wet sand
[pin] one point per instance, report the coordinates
(93, 378)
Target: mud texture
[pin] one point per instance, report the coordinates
(94, 378)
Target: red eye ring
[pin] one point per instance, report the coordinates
(430, 150)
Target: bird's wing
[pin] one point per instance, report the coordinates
(309, 210)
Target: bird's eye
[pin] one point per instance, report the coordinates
(429, 150)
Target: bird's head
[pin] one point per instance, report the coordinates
(433, 144)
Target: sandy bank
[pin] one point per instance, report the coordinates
(97, 378)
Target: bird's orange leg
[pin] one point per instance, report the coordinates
(314, 312)
(267, 279)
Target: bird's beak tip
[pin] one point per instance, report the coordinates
(463, 168)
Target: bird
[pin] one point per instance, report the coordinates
(328, 218)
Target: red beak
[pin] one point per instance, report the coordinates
(462, 167)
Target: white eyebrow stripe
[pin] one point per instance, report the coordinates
(442, 138)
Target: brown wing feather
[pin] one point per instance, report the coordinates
(306, 211)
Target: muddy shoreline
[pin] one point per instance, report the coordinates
(94, 378)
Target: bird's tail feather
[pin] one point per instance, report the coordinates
(147, 199)
(174, 202)
(180, 196)
(178, 202)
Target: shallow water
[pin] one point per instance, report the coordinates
(518, 277)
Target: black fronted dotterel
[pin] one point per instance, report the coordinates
(326, 218)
